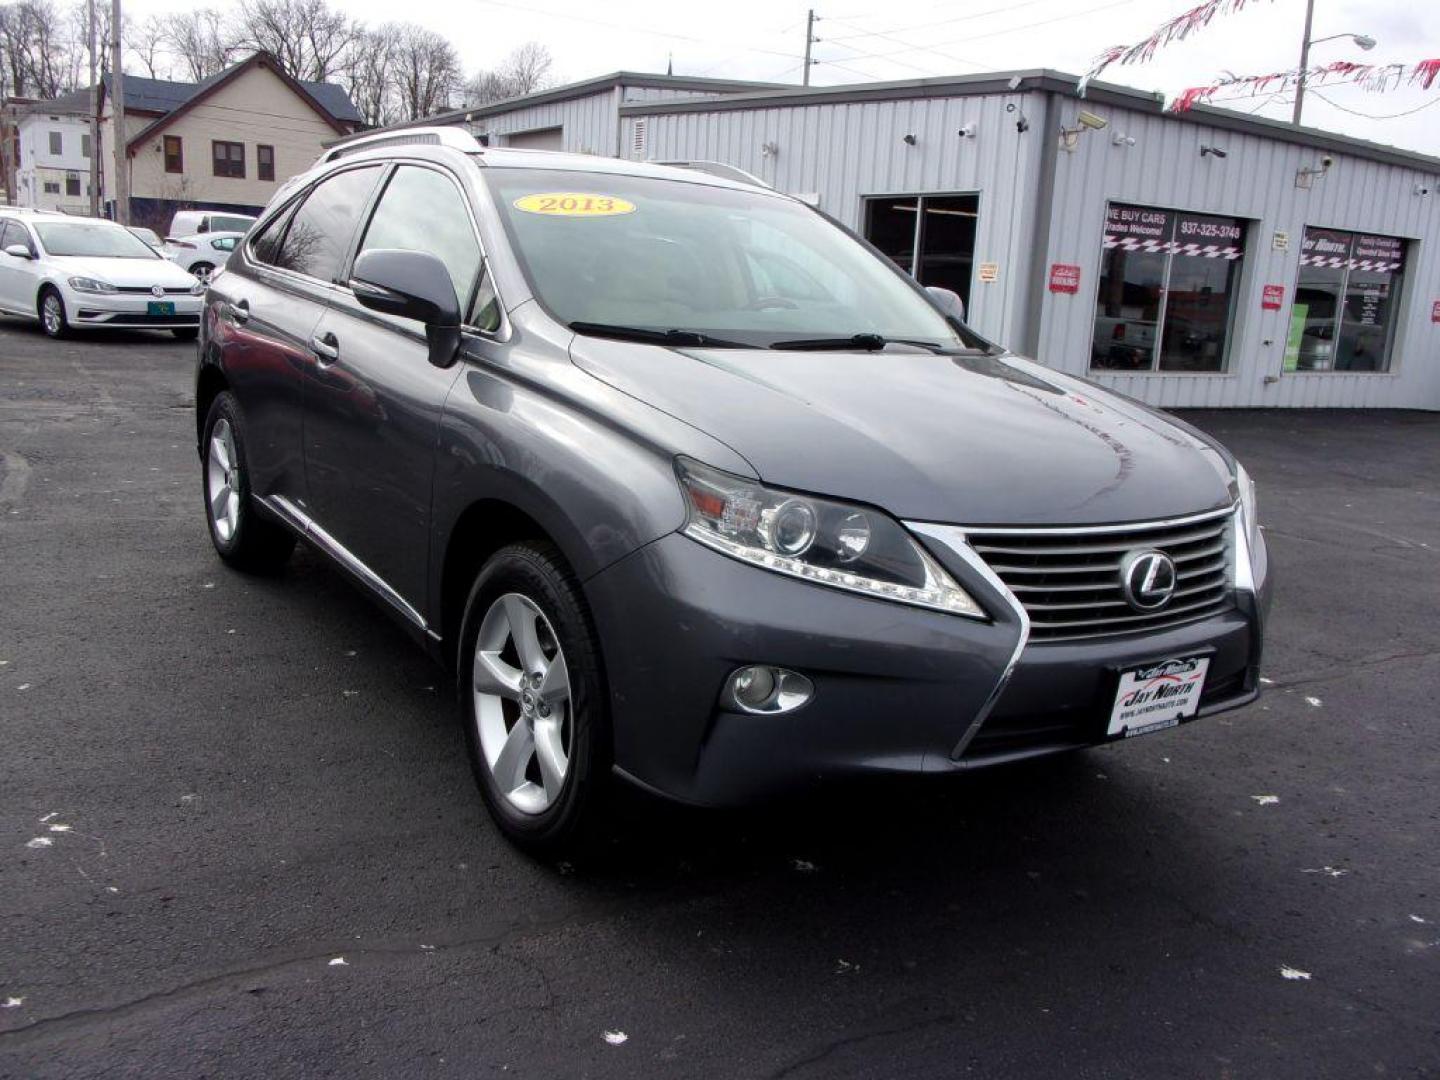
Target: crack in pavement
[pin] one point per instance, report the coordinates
(1350, 669)
(826, 1049)
(494, 939)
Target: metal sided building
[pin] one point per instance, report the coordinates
(1195, 260)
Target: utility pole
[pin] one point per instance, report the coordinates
(810, 39)
(94, 114)
(117, 112)
(1304, 61)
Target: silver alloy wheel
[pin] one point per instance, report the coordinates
(53, 313)
(222, 481)
(522, 703)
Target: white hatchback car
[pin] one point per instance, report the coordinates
(201, 254)
(74, 273)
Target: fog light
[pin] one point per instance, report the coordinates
(760, 688)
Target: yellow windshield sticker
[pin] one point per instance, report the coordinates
(573, 204)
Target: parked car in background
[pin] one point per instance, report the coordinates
(679, 513)
(74, 273)
(201, 254)
(150, 236)
(189, 222)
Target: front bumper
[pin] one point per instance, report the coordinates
(131, 310)
(896, 688)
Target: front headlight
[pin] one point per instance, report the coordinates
(198, 289)
(91, 285)
(830, 543)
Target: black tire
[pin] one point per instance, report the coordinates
(186, 333)
(253, 543)
(54, 324)
(536, 571)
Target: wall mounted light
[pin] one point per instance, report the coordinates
(769, 149)
(1213, 151)
(910, 139)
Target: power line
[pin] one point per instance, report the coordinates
(632, 29)
(909, 47)
(1009, 29)
(937, 22)
(1371, 116)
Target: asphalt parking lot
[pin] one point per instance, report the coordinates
(238, 835)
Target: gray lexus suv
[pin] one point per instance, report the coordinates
(691, 487)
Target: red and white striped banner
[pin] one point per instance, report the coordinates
(1177, 29)
(1376, 78)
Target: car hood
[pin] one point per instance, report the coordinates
(130, 272)
(973, 439)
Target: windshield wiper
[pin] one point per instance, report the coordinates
(658, 337)
(869, 342)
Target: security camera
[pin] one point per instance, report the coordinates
(967, 132)
(1090, 120)
(1422, 189)
(1215, 150)
(1326, 161)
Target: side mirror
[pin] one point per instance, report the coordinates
(948, 301)
(19, 251)
(412, 285)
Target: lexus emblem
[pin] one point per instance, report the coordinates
(157, 290)
(1147, 579)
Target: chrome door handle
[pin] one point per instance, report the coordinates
(239, 312)
(326, 346)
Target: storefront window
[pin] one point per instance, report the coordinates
(1168, 280)
(1346, 300)
(931, 237)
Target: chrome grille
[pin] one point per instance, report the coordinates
(1069, 579)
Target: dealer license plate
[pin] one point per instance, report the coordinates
(160, 307)
(1157, 696)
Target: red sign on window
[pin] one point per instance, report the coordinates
(1435, 311)
(1064, 277)
(1272, 297)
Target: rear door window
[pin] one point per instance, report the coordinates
(319, 234)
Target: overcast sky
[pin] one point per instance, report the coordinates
(864, 40)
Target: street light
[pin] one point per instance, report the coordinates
(1365, 41)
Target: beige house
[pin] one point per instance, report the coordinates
(223, 144)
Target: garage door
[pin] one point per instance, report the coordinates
(544, 139)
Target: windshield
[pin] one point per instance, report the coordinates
(715, 265)
(98, 239)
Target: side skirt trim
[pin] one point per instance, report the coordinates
(306, 526)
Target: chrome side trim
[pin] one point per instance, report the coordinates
(953, 537)
(306, 526)
(1132, 526)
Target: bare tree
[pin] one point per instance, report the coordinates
(34, 42)
(148, 42)
(427, 71)
(200, 42)
(370, 75)
(527, 69)
(309, 38)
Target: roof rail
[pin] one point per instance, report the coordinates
(720, 169)
(419, 136)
